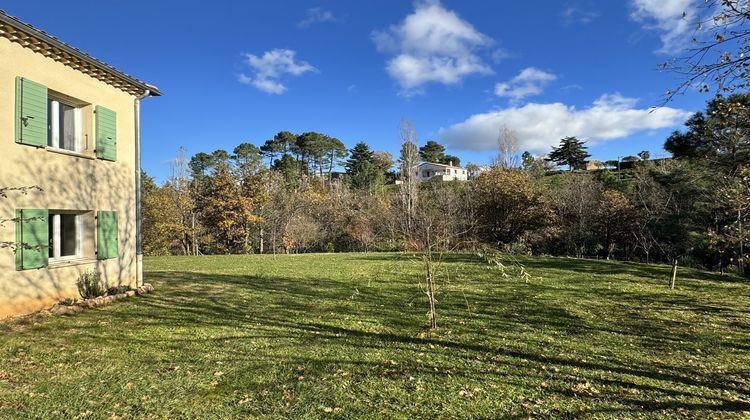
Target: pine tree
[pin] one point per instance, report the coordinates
(450, 160)
(432, 152)
(360, 168)
(571, 152)
(527, 160)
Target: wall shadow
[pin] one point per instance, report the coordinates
(67, 183)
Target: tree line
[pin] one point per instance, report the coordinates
(281, 197)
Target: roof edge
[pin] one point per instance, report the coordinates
(440, 164)
(75, 52)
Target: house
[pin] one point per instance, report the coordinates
(69, 125)
(594, 165)
(428, 171)
(334, 175)
(478, 170)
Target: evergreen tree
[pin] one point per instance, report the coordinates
(527, 160)
(691, 143)
(450, 160)
(246, 157)
(360, 169)
(571, 152)
(333, 152)
(270, 149)
(721, 135)
(199, 164)
(284, 140)
(291, 170)
(311, 148)
(365, 169)
(219, 156)
(432, 152)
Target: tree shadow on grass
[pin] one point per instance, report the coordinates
(325, 324)
(302, 304)
(316, 333)
(458, 257)
(660, 272)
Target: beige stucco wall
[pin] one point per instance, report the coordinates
(68, 182)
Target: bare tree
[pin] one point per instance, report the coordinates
(507, 149)
(408, 168)
(443, 221)
(183, 200)
(652, 200)
(4, 191)
(577, 211)
(676, 196)
(279, 208)
(720, 57)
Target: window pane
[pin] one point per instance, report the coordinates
(51, 226)
(68, 235)
(49, 128)
(67, 127)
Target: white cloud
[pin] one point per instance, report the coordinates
(571, 87)
(674, 19)
(578, 15)
(541, 126)
(499, 55)
(529, 82)
(316, 15)
(432, 44)
(269, 68)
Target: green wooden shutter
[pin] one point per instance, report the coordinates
(32, 238)
(31, 113)
(106, 235)
(106, 133)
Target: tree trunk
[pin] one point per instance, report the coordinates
(673, 279)
(330, 169)
(246, 244)
(431, 291)
(195, 238)
(261, 240)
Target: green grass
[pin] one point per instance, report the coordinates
(343, 336)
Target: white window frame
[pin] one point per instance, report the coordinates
(54, 219)
(54, 124)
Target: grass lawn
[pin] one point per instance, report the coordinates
(343, 336)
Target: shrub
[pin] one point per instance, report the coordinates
(90, 285)
(509, 207)
(67, 301)
(118, 290)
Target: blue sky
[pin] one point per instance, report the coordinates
(242, 71)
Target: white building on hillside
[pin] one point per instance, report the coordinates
(439, 172)
(478, 170)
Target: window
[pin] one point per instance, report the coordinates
(65, 235)
(448, 171)
(64, 125)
